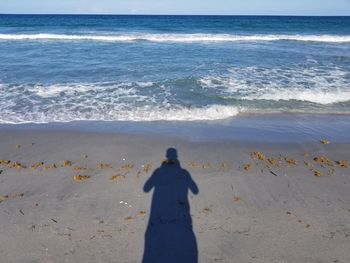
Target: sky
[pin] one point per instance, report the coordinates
(184, 7)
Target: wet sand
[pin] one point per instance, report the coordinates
(71, 196)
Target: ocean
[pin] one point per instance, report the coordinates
(64, 68)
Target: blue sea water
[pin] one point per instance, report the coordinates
(60, 68)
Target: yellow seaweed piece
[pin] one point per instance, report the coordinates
(5, 162)
(258, 155)
(18, 195)
(272, 161)
(324, 141)
(67, 163)
(192, 164)
(127, 167)
(317, 173)
(291, 161)
(37, 165)
(322, 160)
(147, 168)
(80, 168)
(117, 177)
(343, 164)
(81, 178)
(16, 165)
(104, 166)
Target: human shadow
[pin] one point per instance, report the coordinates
(169, 236)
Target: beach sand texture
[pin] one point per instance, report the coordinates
(78, 197)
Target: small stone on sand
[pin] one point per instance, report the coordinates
(236, 199)
(247, 167)
(142, 213)
(309, 165)
(207, 209)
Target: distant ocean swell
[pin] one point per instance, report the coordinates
(181, 38)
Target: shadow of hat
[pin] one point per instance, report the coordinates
(171, 154)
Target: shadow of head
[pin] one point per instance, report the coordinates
(171, 154)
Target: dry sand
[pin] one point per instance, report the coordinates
(247, 209)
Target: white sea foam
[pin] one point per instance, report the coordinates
(55, 90)
(80, 89)
(182, 38)
(248, 89)
(147, 113)
(99, 101)
(316, 96)
(213, 112)
(310, 84)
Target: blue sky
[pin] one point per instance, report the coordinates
(224, 7)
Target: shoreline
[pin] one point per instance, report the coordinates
(280, 128)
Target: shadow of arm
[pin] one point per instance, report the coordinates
(150, 183)
(192, 185)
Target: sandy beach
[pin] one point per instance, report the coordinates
(73, 196)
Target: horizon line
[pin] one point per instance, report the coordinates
(111, 14)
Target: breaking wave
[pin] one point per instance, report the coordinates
(323, 87)
(181, 38)
(214, 97)
(99, 101)
(145, 114)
